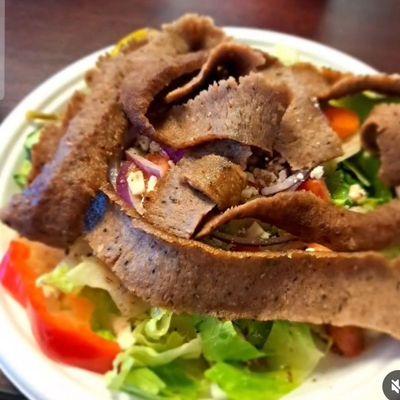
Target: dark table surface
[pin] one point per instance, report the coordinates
(43, 36)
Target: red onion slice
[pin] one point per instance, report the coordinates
(122, 186)
(147, 166)
(291, 182)
(174, 155)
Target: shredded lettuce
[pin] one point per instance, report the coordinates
(362, 170)
(189, 357)
(22, 174)
(90, 272)
(243, 384)
(291, 347)
(222, 342)
(170, 356)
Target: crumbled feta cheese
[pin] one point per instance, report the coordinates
(250, 177)
(136, 183)
(357, 194)
(151, 183)
(317, 172)
(143, 142)
(154, 147)
(255, 231)
(249, 191)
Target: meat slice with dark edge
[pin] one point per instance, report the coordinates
(381, 134)
(233, 151)
(305, 138)
(360, 289)
(350, 84)
(325, 83)
(237, 59)
(219, 179)
(52, 209)
(51, 134)
(313, 220)
(174, 206)
(248, 112)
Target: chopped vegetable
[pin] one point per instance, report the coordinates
(90, 272)
(141, 35)
(38, 116)
(355, 182)
(22, 175)
(343, 121)
(347, 340)
(190, 357)
(363, 103)
(61, 324)
(152, 164)
(317, 187)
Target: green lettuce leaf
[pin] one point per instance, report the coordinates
(256, 332)
(222, 342)
(291, 356)
(243, 384)
(363, 103)
(68, 277)
(22, 174)
(291, 347)
(183, 379)
(143, 382)
(362, 169)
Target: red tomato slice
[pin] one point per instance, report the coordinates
(318, 187)
(347, 340)
(60, 325)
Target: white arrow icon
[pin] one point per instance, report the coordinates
(395, 385)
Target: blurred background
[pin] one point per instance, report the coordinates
(43, 36)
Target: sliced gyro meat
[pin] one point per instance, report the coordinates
(149, 77)
(326, 84)
(51, 134)
(305, 138)
(233, 151)
(248, 112)
(52, 209)
(236, 59)
(219, 179)
(302, 77)
(174, 206)
(360, 289)
(351, 84)
(308, 217)
(381, 134)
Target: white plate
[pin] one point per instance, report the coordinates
(40, 378)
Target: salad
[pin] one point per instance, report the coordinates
(208, 221)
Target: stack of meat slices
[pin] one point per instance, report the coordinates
(222, 116)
